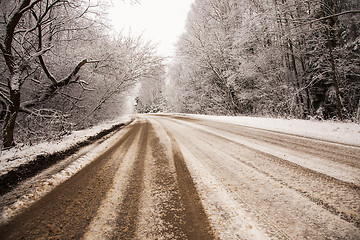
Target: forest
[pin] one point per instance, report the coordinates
(63, 69)
(279, 58)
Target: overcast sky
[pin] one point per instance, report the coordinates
(160, 21)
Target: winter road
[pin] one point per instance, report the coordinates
(167, 177)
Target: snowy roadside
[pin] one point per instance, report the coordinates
(36, 187)
(13, 158)
(338, 132)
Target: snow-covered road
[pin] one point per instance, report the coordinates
(179, 177)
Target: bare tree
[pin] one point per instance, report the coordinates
(30, 29)
(129, 60)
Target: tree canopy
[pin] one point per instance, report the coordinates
(62, 68)
(281, 58)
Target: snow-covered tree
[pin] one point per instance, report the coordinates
(60, 66)
(283, 57)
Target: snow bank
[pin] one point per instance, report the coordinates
(46, 185)
(345, 133)
(17, 156)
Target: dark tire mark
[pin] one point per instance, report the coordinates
(129, 209)
(172, 210)
(302, 174)
(11, 179)
(196, 223)
(65, 212)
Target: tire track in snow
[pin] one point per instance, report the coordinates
(102, 225)
(279, 168)
(340, 153)
(229, 218)
(303, 178)
(196, 222)
(209, 138)
(66, 211)
(178, 211)
(128, 213)
(336, 170)
(161, 212)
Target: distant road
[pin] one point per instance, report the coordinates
(174, 177)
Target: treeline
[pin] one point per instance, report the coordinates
(63, 69)
(298, 58)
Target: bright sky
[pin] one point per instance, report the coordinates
(161, 21)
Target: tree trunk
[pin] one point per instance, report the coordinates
(331, 42)
(358, 113)
(10, 119)
(333, 73)
(9, 126)
(298, 90)
(14, 82)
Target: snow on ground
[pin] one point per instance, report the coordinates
(336, 170)
(43, 187)
(14, 157)
(339, 132)
(346, 133)
(218, 203)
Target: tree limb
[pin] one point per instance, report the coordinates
(39, 53)
(67, 80)
(30, 6)
(82, 83)
(51, 89)
(46, 71)
(331, 16)
(34, 113)
(9, 36)
(5, 98)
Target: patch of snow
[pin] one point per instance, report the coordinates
(236, 195)
(218, 203)
(14, 157)
(104, 223)
(339, 132)
(49, 184)
(333, 169)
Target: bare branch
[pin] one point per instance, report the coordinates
(51, 90)
(38, 112)
(5, 98)
(66, 80)
(39, 53)
(68, 96)
(46, 70)
(35, 80)
(26, 8)
(82, 83)
(9, 37)
(329, 16)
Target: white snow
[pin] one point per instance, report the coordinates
(333, 169)
(12, 158)
(104, 223)
(236, 195)
(47, 185)
(218, 203)
(339, 132)
(343, 133)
